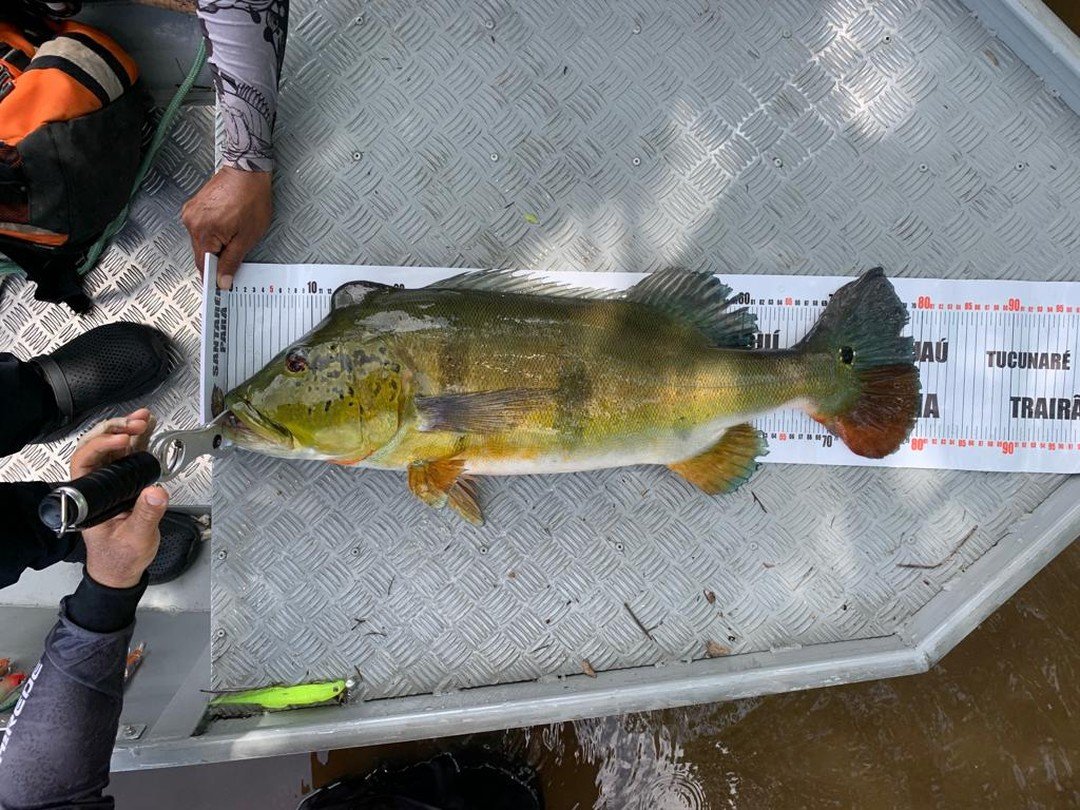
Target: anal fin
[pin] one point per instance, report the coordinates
(443, 483)
(727, 464)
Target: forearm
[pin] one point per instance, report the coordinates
(246, 40)
(60, 738)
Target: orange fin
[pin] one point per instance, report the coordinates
(442, 483)
(728, 463)
(462, 499)
(882, 416)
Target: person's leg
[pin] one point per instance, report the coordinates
(24, 540)
(26, 401)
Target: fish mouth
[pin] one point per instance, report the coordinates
(251, 427)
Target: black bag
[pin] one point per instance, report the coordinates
(71, 122)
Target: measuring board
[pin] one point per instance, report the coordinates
(997, 359)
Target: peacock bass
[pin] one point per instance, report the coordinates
(499, 373)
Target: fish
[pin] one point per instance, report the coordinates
(504, 373)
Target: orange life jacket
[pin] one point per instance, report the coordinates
(70, 131)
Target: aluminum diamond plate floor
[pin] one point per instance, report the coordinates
(805, 137)
(815, 136)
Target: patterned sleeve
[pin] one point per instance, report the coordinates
(246, 41)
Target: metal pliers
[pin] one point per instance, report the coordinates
(112, 489)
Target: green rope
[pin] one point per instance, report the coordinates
(8, 267)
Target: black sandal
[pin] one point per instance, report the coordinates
(105, 366)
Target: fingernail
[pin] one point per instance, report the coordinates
(156, 497)
(226, 282)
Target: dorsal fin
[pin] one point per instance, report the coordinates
(701, 299)
(697, 297)
(354, 292)
(521, 283)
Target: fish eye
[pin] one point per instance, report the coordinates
(847, 355)
(296, 362)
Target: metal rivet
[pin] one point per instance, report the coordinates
(494, 156)
(636, 161)
(356, 551)
(357, 155)
(489, 24)
(618, 546)
(785, 33)
(1020, 166)
(220, 633)
(777, 162)
(637, 28)
(221, 555)
(886, 39)
(131, 731)
(360, 19)
(923, 167)
(483, 549)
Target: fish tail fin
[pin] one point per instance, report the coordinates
(873, 396)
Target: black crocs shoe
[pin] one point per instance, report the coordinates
(180, 541)
(105, 366)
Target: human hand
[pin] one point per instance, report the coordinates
(119, 550)
(227, 216)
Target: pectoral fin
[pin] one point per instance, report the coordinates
(727, 464)
(443, 483)
(480, 412)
